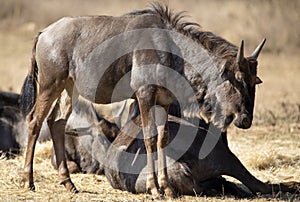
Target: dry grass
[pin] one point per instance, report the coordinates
(270, 149)
(270, 159)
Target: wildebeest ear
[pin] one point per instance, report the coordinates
(258, 81)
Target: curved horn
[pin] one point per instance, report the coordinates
(258, 49)
(240, 54)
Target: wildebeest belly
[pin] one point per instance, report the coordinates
(111, 85)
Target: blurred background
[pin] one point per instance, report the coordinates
(278, 98)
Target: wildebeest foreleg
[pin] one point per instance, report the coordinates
(146, 99)
(57, 123)
(238, 171)
(163, 139)
(156, 136)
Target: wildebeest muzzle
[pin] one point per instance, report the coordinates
(243, 121)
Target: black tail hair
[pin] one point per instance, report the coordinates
(29, 88)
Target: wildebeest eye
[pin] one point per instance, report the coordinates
(239, 76)
(258, 80)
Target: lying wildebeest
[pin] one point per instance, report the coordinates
(87, 147)
(125, 164)
(81, 144)
(122, 153)
(146, 52)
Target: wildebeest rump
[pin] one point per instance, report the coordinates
(60, 59)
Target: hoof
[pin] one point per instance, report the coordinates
(26, 184)
(69, 185)
(169, 192)
(155, 193)
(73, 190)
(290, 187)
(165, 193)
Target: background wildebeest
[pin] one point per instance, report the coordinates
(13, 128)
(13, 135)
(63, 69)
(13, 131)
(9, 99)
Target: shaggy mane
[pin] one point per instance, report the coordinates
(212, 43)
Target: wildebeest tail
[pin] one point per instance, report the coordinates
(29, 88)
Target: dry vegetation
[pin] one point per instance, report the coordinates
(270, 149)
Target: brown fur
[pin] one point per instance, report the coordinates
(60, 55)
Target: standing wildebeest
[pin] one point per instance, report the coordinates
(90, 55)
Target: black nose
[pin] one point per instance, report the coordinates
(244, 121)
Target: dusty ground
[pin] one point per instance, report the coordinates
(270, 149)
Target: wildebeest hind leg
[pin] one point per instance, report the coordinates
(35, 120)
(57, 123)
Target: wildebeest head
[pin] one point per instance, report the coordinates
(235, 95)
